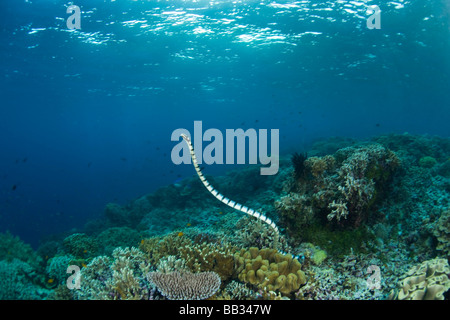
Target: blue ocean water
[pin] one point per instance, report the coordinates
(86, 114)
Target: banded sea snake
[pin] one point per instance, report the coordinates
(229, 202)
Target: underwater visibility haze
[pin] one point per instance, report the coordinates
(91, 92)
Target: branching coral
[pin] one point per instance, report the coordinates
(341, 188)
(201, 256)
(318, 165)
(248, 233)
(121, 278)
(209, 257)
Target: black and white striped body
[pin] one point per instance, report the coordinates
(220, 197)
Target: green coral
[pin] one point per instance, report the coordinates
(80, 245)
(427, 162)
(18, 281)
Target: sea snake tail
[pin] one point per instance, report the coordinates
(220, 197)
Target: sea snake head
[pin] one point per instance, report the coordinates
(186, 138)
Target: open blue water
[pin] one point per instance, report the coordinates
(86, 115)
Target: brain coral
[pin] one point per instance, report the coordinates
(427, 281)
(269, 270)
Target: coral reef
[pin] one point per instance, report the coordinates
(184, 285)
(352, 208)
(17, 281)
(427, 281)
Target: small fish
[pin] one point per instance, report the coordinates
(188, 224)
(84, 265)
(142, 241)
(50, 280)
(220, 212)
(85, 251)
(180, 234)
(14, 187)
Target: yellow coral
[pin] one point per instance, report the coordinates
(269, 270)
(427, 281)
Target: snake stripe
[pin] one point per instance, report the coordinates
(220, 197)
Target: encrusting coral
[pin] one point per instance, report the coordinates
(269, 270)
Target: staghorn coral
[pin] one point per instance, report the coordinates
(269, 270)
(184, 285)
(427, 281)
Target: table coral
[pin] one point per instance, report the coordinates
(184, 285)
(269, 270)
